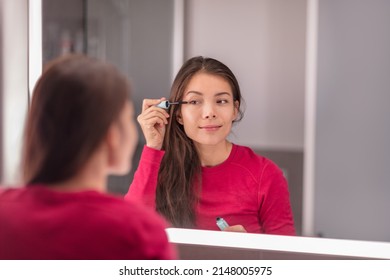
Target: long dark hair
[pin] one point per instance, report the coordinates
(73, 104)
(179, 177)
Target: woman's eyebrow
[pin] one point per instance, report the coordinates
(222, 93)
(199, 93)
(194, 92)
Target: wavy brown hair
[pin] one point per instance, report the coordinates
(179, 177)
(74, 102)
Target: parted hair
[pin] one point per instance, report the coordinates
(179, 178)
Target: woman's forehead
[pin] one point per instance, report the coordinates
(204, 83)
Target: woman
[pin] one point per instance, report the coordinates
(79, 130)
(192, 174)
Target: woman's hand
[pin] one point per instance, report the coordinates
(153, 121)
(235, 228)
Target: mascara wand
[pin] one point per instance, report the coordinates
(165, 104)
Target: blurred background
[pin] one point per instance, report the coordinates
(315, 76)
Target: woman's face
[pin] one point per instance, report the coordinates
(211, 109)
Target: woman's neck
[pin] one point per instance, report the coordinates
(90, 177)
(80, 183)
(213, 155)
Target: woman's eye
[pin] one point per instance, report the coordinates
(222, 101)
(193, 102)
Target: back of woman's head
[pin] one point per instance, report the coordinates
(73, 104)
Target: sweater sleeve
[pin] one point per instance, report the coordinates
(275, 212)
(143, 187)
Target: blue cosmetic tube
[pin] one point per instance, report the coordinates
(221, 223)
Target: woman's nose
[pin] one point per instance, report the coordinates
(209, 111)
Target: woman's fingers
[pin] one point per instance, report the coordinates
(236, 228)
(153, 121)
(155, 113)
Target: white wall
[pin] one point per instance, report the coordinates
(263, 42)
(13, 86)
(352, 166)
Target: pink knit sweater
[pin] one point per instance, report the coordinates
(246, 189)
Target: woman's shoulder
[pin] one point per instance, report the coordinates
(246, 154)
(99, 208)
(130, 210)
(108, 220)
(248, 158)
(131, 224)
(139, 226)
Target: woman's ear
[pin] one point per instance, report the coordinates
(113, 141)
(179, 118)
(236, 106)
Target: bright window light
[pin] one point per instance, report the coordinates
(34, 42)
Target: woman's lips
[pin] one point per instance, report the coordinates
(210, 127)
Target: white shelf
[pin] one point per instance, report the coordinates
(289, 244)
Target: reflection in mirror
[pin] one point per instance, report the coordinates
(265, 46)
(126, 33)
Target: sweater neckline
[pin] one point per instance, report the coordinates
(42, 188)
(222, 165)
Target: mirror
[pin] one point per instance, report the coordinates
(333, 151)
